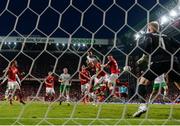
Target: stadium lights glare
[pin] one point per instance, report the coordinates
(79, 44)
(5, 43)
(164, 20)
(63, 44)
(173, 13)
(84, 45)
(14, 43)
(57, 44)
(9, 43)
(74, 44)
(137, 36)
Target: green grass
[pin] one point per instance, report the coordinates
(111, 114)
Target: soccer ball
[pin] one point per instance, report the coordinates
(127, 68)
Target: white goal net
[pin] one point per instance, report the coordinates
(49, 35)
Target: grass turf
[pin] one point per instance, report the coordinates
(34, 113)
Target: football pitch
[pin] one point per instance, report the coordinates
(40, 113)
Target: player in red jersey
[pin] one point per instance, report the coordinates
(49, 82)
(84, 77)
(99, 80)
(100, 75)
(14, 82)
(113, 66)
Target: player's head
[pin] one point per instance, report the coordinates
(14, 63)
(110, 57)
(65, 70)
(153, 27)
(50, 73)
(90, 53)
(83, 67)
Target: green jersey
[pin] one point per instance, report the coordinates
(65, 78)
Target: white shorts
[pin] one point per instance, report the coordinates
(100, 80)
(13, 85)
(112, 78)
(50, 91)
(84, 88)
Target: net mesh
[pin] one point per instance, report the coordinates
(48, 35)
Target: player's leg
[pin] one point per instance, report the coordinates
(97, 85)
(165, 90)
(156, 69)
(86, 92)
(19, 93)
(46, 94)
(67, 89)
(154, 93)
(142, 97)
(174, 76)
(11, 91)
(83, 93)
(112, 81)
(52, 94)
(20, 96)
(6, 93)
(61, 92)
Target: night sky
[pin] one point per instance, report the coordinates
(81, 18)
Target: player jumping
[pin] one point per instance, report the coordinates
(91, 59)
(14, 83)
(113, 66)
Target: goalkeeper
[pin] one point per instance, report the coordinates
(160, 61)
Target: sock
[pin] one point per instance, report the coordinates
(67, 98)
(20, 95)
(165, 93)
(142, 92)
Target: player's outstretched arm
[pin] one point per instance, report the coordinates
(81, 74)
(4, 80)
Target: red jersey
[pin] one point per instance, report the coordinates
(100, 72)
(12, 73)
(114, 67)
(84, 77)
(49, 81)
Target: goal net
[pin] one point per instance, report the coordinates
(49, 35)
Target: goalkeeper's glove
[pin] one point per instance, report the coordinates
(144, 58)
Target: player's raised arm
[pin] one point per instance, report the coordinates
(6, 78)
(82, 75)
